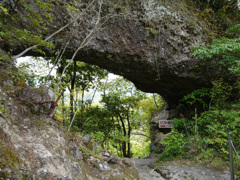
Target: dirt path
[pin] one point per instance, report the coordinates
(167, 172)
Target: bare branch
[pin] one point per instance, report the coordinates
(57, 60)
(87, 40)
(49, 37)
(73, 118)
(53, 34)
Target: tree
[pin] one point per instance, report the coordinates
(146, 108)
(205, 135)
(99, 122)
(120, 100)
(223, 53)
(34, 71)
(80, 78)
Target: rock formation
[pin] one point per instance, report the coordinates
(158, 134)
(147, 42)
(34, 146)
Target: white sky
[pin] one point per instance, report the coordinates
(28, 59)
(43, 70)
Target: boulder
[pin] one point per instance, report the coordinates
(37, 98)
(86, 139)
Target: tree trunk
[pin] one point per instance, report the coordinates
(82, 108)
(72, 90)
(124, 144)
(63, 110)
(129, 135)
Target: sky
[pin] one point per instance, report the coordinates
(40, 67)
(45, 70)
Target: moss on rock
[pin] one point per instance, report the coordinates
(9, 159)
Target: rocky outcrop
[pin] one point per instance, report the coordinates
(147, 42)
(158, 134)
(34, 146)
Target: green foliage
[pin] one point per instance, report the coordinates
(224, 52)
(86, 152)
(150, 105)
(8, 157)
(198, 97)
(86, 75)
(144, 112)
(218, 4)
(73, 11)
(112, 123)
(205, 136)
(99, 123)
(34, 71)
(2, 99)
(176, 146)
(211, 139)
(216, 108)
(220, 92)
(140, 149)
(233, 32)
(34, 23)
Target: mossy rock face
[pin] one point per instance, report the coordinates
(9, 159)
(10, 79)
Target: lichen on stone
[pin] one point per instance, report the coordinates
(157, 12)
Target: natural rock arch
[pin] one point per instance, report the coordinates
(149, 44)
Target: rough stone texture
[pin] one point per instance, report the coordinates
(33, 146)
(195, 172)
(148, 42)
(87, 138)
(158, 134)
(40, 94)
(43, 151)
(104, 166)
(112, 160)
(148, 169)
(76, 153)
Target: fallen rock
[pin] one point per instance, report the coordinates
(86, 139)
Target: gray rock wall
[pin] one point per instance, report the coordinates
(158, 134)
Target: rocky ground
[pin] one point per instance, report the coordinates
(149, 170)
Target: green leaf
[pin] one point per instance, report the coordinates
(5, 10)
(35, 23)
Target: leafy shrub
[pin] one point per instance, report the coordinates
(176, 146)
(205, 136)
